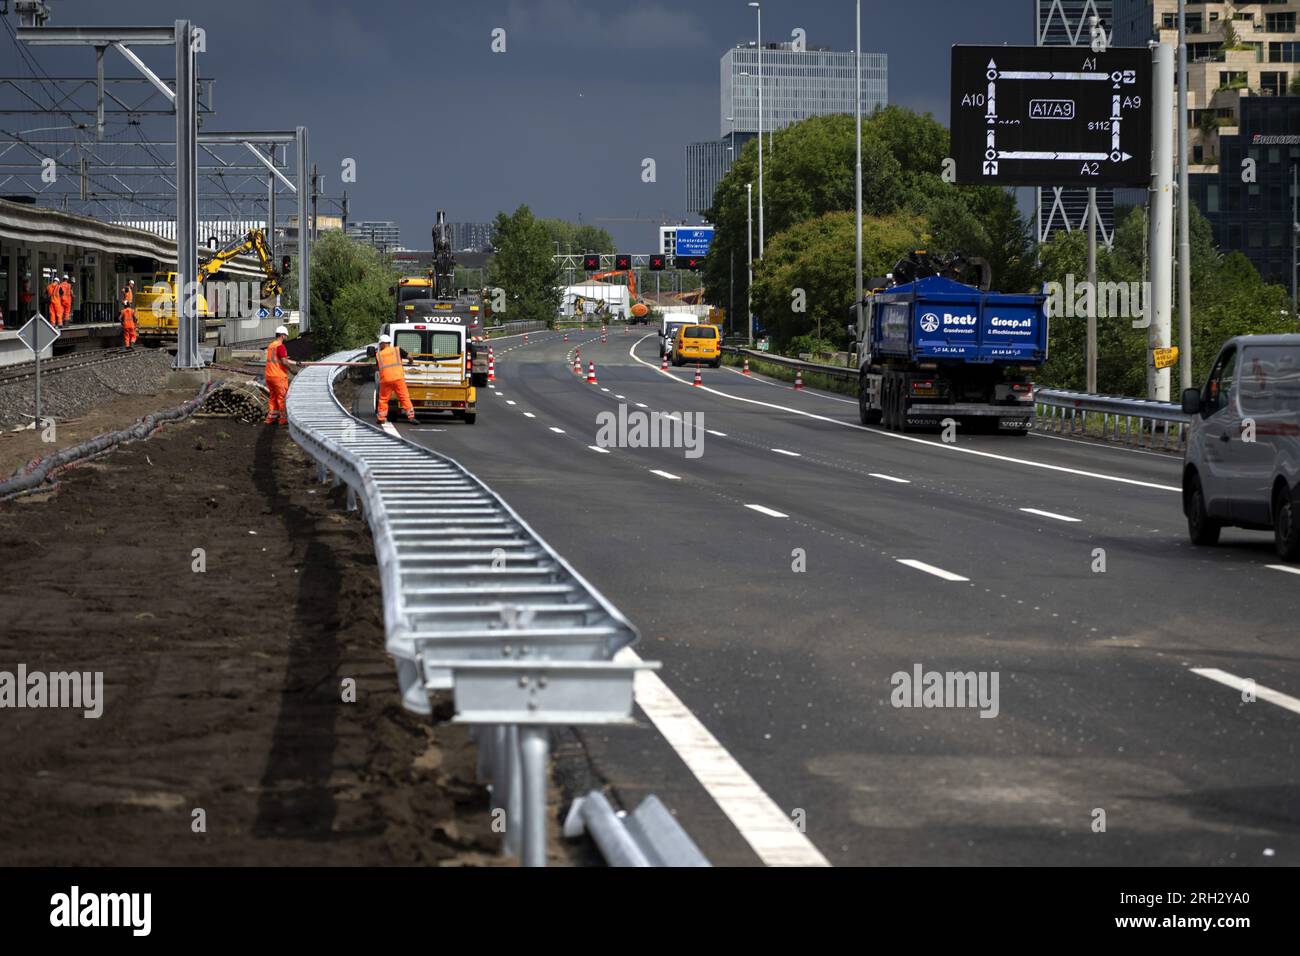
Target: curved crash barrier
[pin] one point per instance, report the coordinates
(474, 602)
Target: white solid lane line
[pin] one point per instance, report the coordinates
(1283, 567)
(558, 431)
(792, 454)
(897, 436)
(931, 569)
(719, 434)
(901, 481)
(768, 829)
(1050, 514)
(603, 451)
(767, 511)
(664, 474)
(1285, 701)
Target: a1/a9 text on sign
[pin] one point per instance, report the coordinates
(1051, 116)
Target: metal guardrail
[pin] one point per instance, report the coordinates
(648, 836)
(514, 328)
(1133, 421)
(475, 602)
(832, 371)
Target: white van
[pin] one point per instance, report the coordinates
(1242, 464)
(672, 322)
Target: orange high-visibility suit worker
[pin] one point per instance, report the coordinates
(277, 377)
(128, 327)
(54, 295)
(392, 380)
(128, 293)
(65, 290)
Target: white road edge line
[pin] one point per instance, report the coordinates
(664, 474)
(940, 446)
(1283, 567)
(931, 569)
(901, 481)
(767, 511)
(603, 451)
(719, 434)
(1050, 514)
(792, 454)
(768, 829)
(1285, 701)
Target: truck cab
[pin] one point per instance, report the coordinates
(440, 376)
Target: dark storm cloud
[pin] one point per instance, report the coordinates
(562, 120)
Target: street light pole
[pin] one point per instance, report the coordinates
(1295, 235)
(1184, 213)
(857, 172)
(749, 285)
(759, 8)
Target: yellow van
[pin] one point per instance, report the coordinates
(697, 343)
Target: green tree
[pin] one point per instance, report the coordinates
(802, 284)
(577, 238)
(524, 267)
(349, 292)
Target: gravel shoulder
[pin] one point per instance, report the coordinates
(223, 690)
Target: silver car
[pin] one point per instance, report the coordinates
(1242, 464)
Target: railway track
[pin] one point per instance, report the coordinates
(62, 363)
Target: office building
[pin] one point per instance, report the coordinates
(382, 234)
(471, 236)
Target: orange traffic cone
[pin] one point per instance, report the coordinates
(663, 363)
(566, 336)
(698, 381)
(746, 372)
(577, 365)
(602, 330)
(602, 340)
(798, 379)
(525, 338)
(492, 367)
(591, 374)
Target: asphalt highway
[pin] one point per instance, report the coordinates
(791, 570)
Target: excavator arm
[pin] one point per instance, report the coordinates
(252, 241)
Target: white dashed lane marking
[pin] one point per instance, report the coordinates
(558, 431)
(1285, 701)
(664, 474)
(597, 448)
(900, 481)
(767, 511)
(791, 454)
(1050, 514)
(931, 569)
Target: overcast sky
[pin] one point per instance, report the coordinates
(562, 120)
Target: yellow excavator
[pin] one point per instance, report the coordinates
(155, 305)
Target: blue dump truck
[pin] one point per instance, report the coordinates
(933, 347)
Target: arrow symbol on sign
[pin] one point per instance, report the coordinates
(262, 313)
(279, 312)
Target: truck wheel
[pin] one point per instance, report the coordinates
(1201, 528)
(887, 402)
(365, 404)
(1286, 523)
(866, 414)
(471, 418)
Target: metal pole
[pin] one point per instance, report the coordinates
(749, 285)
(99, 92)
(270, 209)
(187, 202)
(534, 747)
(1162, 217)
(760, 132)
(1184, 213)
(1092, 285)
(857, 171)
(36, 337)
(304, 235)
(1295, 234)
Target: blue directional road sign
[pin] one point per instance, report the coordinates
(694, 242)
(279, 312)
(263, 313)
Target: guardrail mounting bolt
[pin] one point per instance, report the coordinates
(523, 681)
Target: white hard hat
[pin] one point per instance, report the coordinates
(385, 337)
(281, 330)
(130, 282)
